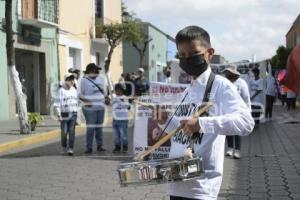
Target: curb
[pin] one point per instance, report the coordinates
(42, 137)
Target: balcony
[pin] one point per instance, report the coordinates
(39, 13)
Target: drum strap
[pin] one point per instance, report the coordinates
(204, 102)
(207, 91)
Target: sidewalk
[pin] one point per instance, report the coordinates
(270, 163)
(10, 129)
(49, 128)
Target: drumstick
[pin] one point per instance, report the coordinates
(142, 155)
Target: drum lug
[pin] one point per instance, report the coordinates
(166, 173)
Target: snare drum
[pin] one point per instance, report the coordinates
(159, 171)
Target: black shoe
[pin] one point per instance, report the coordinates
(99, 148)
(88, 151)
(125, 149)
(117, 149)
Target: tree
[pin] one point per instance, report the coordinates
(114, 34)
(14, 75)
(140, 39)
(140, 44)
(279, 61)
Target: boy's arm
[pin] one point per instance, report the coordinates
(235, 118)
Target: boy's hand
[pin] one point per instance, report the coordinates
(190, 126)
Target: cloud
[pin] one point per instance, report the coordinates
(238, 28)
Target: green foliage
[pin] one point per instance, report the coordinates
(130, 30)
(118, 32)
(35, 118)
(279, 61)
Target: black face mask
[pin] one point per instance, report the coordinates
(193, 65)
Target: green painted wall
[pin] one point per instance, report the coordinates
(49, 36)
(156, 52)
(130, 58)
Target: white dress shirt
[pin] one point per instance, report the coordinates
(228, 115)
(243, 90)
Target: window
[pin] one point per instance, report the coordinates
(99, 8)
(74, 58)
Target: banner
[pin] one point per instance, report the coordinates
(146, 129)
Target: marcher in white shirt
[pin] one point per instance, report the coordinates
(66, 106)
(92, 95)
(271, 92)
(229, 115)
(257, 96)
(234, 141)
(120, 106)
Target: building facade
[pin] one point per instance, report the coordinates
(75, 33)
(35, 24)
(155, 57)
(293, 35)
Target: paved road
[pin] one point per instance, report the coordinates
(42, 173)
(269, 169)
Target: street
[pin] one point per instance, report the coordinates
(158, 66)
(269, 169)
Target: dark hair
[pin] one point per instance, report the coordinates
(70, 78)
(119, 86)
(92, 67)
(255, 70)
(191, 33)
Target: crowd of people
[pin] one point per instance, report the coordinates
(90, 93)
(259, 96)
(241, 110)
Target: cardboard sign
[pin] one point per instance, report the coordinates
(146, 129)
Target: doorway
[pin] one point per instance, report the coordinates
(32, 73)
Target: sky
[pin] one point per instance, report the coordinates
(239, 29)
